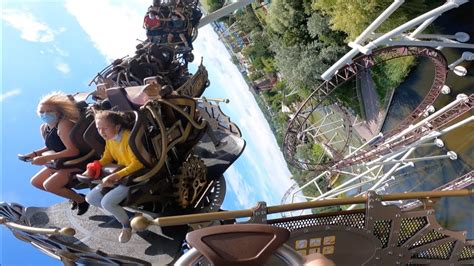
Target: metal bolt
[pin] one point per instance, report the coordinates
(390, 253)
(400, 255)
(377, 258)
(397, 215)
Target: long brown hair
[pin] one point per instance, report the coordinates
(125, 120)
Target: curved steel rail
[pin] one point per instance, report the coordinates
(326, 88)
(452, 113)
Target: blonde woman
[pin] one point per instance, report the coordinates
(59, 114)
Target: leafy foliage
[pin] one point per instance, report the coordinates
(258, 51)
(352, 17)
(247, 21)
(318, 29)
(389, 75)
(287, 20)
(215, 4)
(301, 65)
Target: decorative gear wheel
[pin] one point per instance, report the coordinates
(191, 181)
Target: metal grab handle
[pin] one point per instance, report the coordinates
(285, 253)
(65, 231)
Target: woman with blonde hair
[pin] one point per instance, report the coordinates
(59, 114)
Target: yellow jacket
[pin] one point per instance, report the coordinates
(120, 152)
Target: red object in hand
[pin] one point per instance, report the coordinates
(93, 169)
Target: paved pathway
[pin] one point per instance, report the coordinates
(370, 102)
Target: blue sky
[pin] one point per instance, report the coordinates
(60, 45)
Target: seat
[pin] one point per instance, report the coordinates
(94, 140)
(139, 95)
(141, 146)
(161, 138)
(118, 98)
(141, 192)
(86, 153)
(97, 143)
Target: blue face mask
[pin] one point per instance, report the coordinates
(118, 136)
(49, 117)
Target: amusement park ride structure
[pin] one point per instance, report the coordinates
(186, 143)
(365, 166)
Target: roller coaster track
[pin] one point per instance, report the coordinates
(296, 126)
(463, 106)
(458, 183)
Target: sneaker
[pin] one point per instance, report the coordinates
(125, 235)
(74, 204)
(82, 208)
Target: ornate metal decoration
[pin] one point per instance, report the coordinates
(195, 86)
(191, 181)
(216, 119)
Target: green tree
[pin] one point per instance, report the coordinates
(259, 51)
(247, 21)
(318, 29)
(215, 4)
(302, 65)
(352, 17)
(287, 20)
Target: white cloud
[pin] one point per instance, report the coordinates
(9, 94)
(113, 26)
(31, 29)
(60, 51)
(245, 193)
(63, 68)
